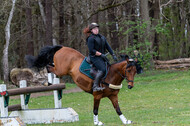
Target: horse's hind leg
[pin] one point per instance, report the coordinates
(95, 111)
(50, 69)
(114, 100)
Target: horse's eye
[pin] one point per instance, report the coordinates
(129, 71)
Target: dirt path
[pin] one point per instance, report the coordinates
(34, 95)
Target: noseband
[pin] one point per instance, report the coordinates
(125, 77)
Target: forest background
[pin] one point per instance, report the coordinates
(158, 29)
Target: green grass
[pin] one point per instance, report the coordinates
(1, 82)
(159, 98)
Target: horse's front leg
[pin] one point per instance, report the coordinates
(114, 100)
(95, 111)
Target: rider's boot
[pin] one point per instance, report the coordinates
(98, 77)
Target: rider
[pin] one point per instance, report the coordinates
(97, 45)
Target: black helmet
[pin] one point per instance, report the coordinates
(93, 25)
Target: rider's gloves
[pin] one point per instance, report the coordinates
(114, 57)
(103, 56)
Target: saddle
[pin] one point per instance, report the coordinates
(89, 69)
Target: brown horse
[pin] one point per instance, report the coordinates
(67, 62)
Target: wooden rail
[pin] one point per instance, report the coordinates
(26, 90)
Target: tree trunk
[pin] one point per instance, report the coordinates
(6, 47)
(30, 44)
(55, 24)
(155, 14)
(42, 12)
(174, 61)
(144, 9)
(183, 41)
(94, 5)
(103, 20)
(113, 29)
(48, 10)
(61, 22)
(130, 11)
(22, 42)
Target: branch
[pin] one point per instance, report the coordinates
(108, 7)
(97, 11)
(169, 2)
(179, 1)
(166, 3)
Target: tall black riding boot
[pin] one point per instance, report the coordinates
(98, 77)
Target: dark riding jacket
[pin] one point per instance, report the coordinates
(100, 44)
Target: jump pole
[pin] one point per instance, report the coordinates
(37, 116)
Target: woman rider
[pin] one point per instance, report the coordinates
(97, 45)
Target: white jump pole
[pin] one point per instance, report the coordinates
(23, 84)
(57, 102)
(4, 110)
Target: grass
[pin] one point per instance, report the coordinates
(158, 98)
(1, 82)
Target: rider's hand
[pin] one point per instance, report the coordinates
(114, 57)
(98, 53)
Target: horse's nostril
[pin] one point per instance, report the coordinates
(130, 87)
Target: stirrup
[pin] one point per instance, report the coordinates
(98, 88)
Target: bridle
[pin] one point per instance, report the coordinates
(125, 77)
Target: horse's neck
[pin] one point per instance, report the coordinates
(115, 72)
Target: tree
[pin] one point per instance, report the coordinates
(112, 26)
(6, 47)
(155, 15)
(48, 10)
(94, 5)
(61, 22)
(144, 11)
(30, 44)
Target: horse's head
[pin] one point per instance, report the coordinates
(129, 71)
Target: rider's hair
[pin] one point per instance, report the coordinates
(87, 31)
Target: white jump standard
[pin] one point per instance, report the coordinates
(36, 116)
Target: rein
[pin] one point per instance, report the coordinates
(112, 86)
(125, 77)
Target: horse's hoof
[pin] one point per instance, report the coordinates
(98, 123)
(46, 83)
(129, 122)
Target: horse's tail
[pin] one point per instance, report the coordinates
(44, 57)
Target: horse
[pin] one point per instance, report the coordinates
(67, 62)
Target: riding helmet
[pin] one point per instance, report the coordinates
(93, 25)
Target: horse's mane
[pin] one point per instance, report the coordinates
(123, 58)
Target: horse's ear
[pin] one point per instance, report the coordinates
(124, 56)
(127, 58)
